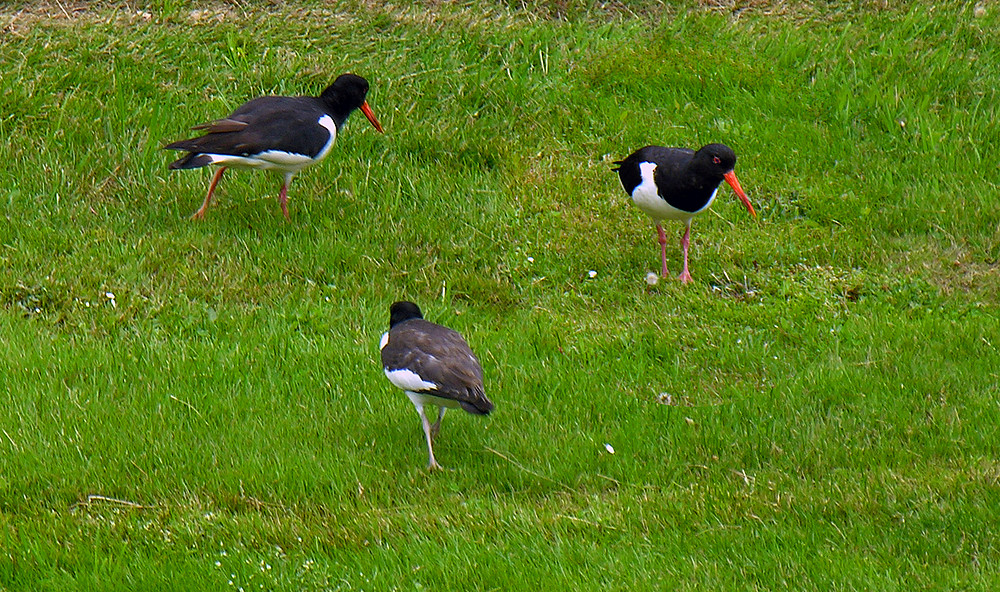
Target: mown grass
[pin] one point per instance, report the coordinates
(200, 405)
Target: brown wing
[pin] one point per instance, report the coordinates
(440, 356)
(221, 125)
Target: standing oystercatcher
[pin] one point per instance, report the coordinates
(283, 134)
(434, 366)
(678, 184)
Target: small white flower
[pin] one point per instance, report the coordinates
(609, 448)
(592, 273)
(652, 279)
(531, 259)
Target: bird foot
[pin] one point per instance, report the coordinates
(685, 277)
(433, 466)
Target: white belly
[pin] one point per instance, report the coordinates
(421, 399)
(646, 197)
(272, 160)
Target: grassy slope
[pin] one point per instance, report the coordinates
(833, 368)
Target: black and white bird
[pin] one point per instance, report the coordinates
(282, 134)
(678, 184)
(434, 366)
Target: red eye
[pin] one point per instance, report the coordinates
(716, 160)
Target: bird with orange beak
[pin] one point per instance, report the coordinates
(678, 184)
(281, 134)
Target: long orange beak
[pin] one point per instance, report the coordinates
(730, 178)
(371, 116)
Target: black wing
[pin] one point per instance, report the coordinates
(288, 124)
(668, 162)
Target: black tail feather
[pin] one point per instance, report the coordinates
(477, 408)
(192, 160)
(477, 404)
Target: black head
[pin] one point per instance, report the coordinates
(347, 93)
(717, 159)
(403, 311)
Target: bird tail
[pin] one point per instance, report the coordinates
(192, 160)
(477, 403)
(619, 163)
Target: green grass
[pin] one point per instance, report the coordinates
(199, 405)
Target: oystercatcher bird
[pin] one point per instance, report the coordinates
(283, 134)
(678, 184)
(434, 366)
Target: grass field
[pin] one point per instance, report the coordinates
(200, 405)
